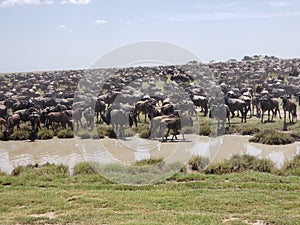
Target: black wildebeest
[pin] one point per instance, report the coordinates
(290, 107)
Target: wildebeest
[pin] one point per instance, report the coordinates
(99, 108)
(12, 121)
(235, 104)
(220, 112)
(3, 111)
(35, 125)
(290, 107)
(2, 123)
(145, 106)
(172, 122)
(118, 119)
(200, 101)
(268, 104)
(89, 115)
(58, 117)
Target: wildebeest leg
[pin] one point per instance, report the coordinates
(232, 113)
(182, 133)
(166, 136)
(262, 116)
(279, 113)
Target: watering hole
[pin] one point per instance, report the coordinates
(70, 152)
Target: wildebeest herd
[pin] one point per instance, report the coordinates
(169, 97)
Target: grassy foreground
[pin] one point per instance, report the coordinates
(196, 198)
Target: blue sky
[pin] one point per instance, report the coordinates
(71, 34)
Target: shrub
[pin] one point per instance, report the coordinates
(83, 168)
(66, 133)
(43, 170)
(44, 134)
(20, 135)
(2, 173)
(240, 163)
(249, 130)
(147, 162)
(128, 133)
(205, 130)
(84, 134)
(271, 137)
(145, 133)
(292, 167)
(97, 135)
(198, 163)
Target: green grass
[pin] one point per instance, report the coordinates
(19, 135)
(44, 134)
(272, 137)
(292, 167)
(183, 199)
(240, 163)
(198, 163)
(65, 133)
(147, 162)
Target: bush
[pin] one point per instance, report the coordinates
(240, 163)
(249, 130)
(292, 167)
(84, 134)
(43, 170)
(145, 133)
(83, 168)
(271, 137)
(66, 133)
(128, 132)
(44, 134)
(20, 135)
(205, 130)
(198, 163)
(2, 173)
(147, 162)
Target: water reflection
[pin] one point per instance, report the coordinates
(109, 151)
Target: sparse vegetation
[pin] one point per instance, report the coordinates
(66, 133)
(84, 134)
(46, 195)
(240, 163)
(84, 168)
(20, 135)
(148, 162)
(44, 134)
(272, 137)
(145, 133)
(198, 163)
(292, 167)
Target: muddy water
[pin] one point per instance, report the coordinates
(72, 151)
